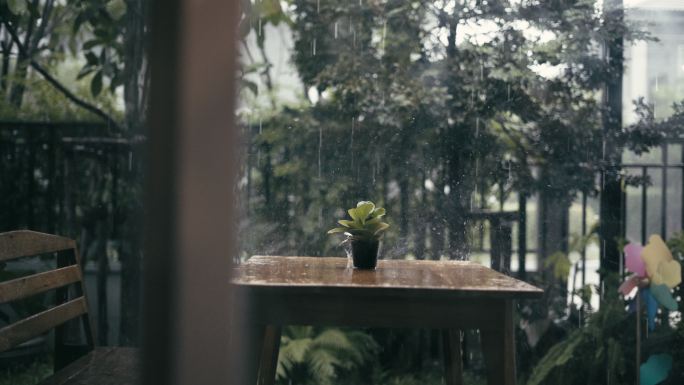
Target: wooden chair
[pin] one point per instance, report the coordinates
(98, 365)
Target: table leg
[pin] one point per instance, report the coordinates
(498, 347)
(453, 361)
(269, 355)
(252, 349)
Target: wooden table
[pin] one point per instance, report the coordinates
(447, 295)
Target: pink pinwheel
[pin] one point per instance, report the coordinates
(633, 260)
(629, 285)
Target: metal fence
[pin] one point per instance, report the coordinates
(73, 179)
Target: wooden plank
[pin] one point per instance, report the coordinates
(24, 243)
(40, 323)
(395, 277)
(37, 283)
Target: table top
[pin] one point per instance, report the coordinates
(457, 278)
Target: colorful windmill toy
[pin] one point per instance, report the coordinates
(655, 273)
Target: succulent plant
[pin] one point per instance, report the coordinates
(365, 223)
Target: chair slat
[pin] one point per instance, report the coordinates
(37, 283)
(24, 243)
(40, 323)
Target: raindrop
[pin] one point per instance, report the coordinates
(509, 92)
(477, 128)
(320, 146)
(656, 83)
(260, 126)
(313, 48)
(318, 5)
(481, 70)
(384, 33)
(351, 145)
(335, 30)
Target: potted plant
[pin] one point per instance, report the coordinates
(363, 232)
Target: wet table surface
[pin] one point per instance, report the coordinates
(458, 278)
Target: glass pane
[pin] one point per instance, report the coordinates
(446, 112)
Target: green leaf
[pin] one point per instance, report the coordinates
(353, 214)
(91, 58)
(373, 221)
(337, 230)
(347, 223)
(560, 263)
(363, 209)
(96, 84)
(16, 6)
(378, 212)
(381, 227)
(116, 9)
(85, 71)
(251, 86)
(557, 356)
(270, 10)
(90, 44)
(362, 233)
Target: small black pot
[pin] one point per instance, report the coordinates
(365, 253)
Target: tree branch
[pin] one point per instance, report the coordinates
(59, 86)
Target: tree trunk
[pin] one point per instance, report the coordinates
(135, 79)
(553, 235)
(611, 191)
(32, 38)
(4, 70)
(553, 223)
(19, 76)
(459, 153)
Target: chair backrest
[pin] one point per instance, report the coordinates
(24, 243)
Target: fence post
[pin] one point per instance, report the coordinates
(522, 235)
